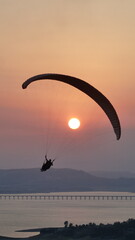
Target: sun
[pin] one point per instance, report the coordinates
(74, 123)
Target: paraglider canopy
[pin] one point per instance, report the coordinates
(89, 90)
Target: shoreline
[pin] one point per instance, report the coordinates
(117, 231)
(50, 229)
(40, 233)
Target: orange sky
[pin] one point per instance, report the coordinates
(90, 39)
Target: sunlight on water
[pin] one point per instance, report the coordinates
(31, 214)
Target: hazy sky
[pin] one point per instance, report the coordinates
(90, 39)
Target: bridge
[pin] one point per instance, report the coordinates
(64, 197)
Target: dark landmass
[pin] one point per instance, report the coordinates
(113, 174)
(60, 180)
(117, 231)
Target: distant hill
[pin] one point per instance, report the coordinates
(113, 174)
(59, 180)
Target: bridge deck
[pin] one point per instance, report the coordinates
(65, 197)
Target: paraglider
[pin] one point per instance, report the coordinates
(89, 90)
(47, 164)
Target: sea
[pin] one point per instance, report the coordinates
(18, 214)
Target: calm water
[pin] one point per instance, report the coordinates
(30, 214)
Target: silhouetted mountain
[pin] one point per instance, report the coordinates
(59, 180)
(113, 174)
